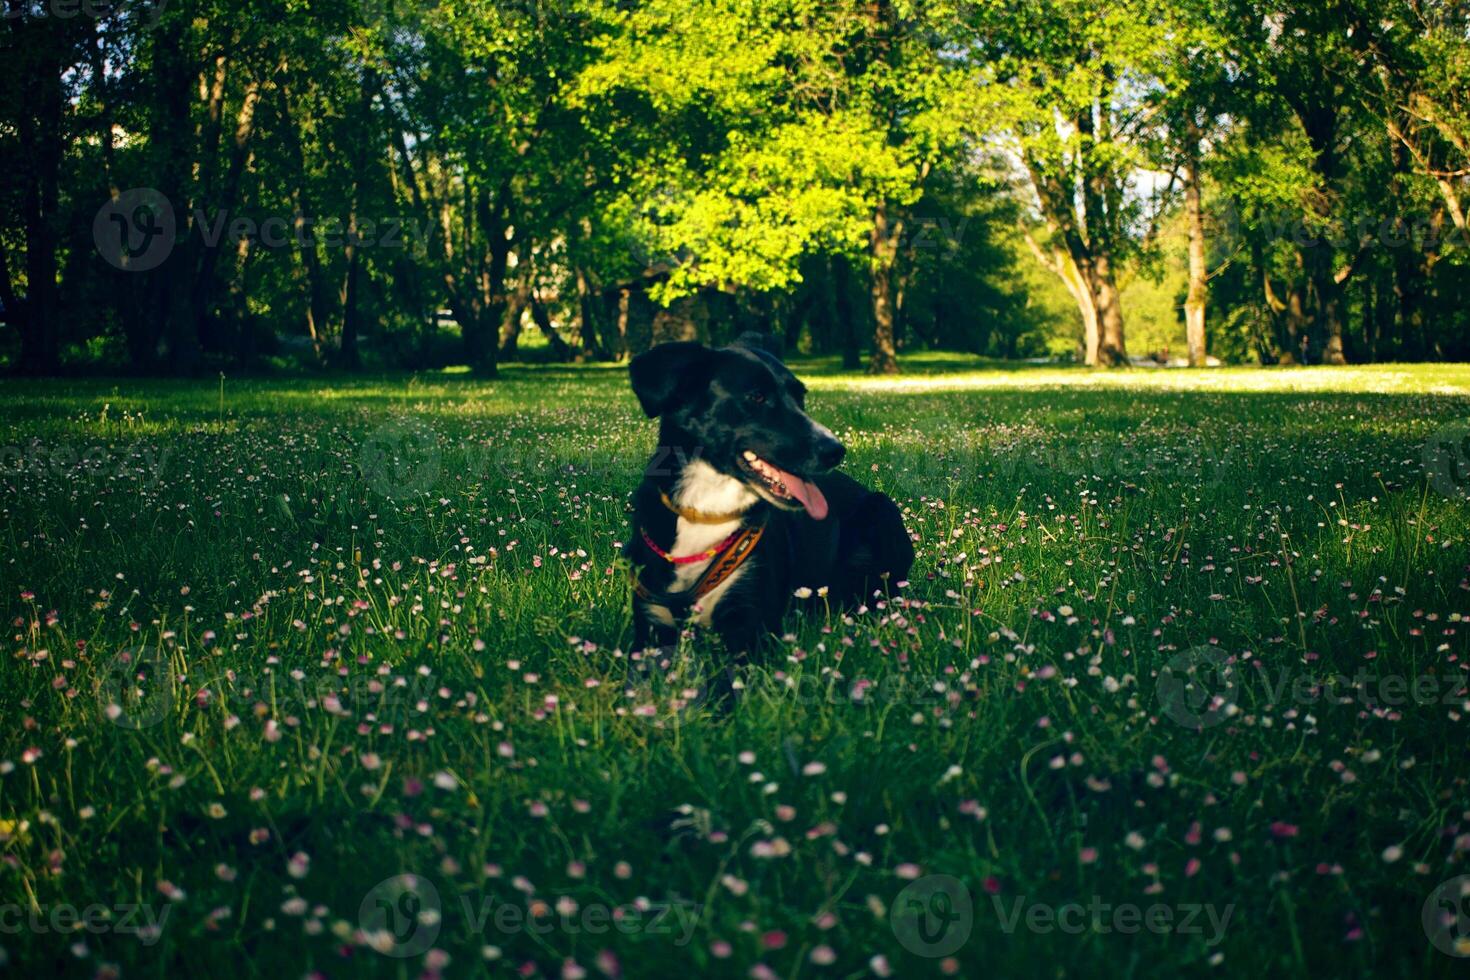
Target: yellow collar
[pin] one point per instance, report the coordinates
(699, 516)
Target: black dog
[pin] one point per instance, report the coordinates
(739, 507)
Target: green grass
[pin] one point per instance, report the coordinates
(380, 623)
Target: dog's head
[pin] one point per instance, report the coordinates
(744, 413)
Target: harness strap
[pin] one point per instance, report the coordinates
(728, 563)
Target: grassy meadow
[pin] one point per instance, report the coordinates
(330, 678)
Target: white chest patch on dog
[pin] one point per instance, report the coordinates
(703, 488)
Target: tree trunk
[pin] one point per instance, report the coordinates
(347, 354)
(589, 318)
(201, 296)
(1324, 297)
(884, 257)
(316, 306)
(164, 317)
(510, 327)
(477, 299)
(1323, 341)
(1194, 302)
(239, 305)
(1099, 218)
(40, 314)
(1061, 264)
(480, 331)
(635, 319)
(1112, 348)
(614, 324)
(843, 314)
(14, 312)
(539, 315)
(1087, 305)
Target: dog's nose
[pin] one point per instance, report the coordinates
(830, 453)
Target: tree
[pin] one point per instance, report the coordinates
(1416, 85)
(804, 126)
(1067, 87)
(1190, 104)
(326, 179)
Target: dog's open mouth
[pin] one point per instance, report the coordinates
(783, 488)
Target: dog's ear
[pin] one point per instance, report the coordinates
(657, 373)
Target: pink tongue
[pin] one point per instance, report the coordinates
(807, 493)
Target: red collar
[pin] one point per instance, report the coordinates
(688, 559)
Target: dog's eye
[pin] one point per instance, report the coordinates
(757, 397)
